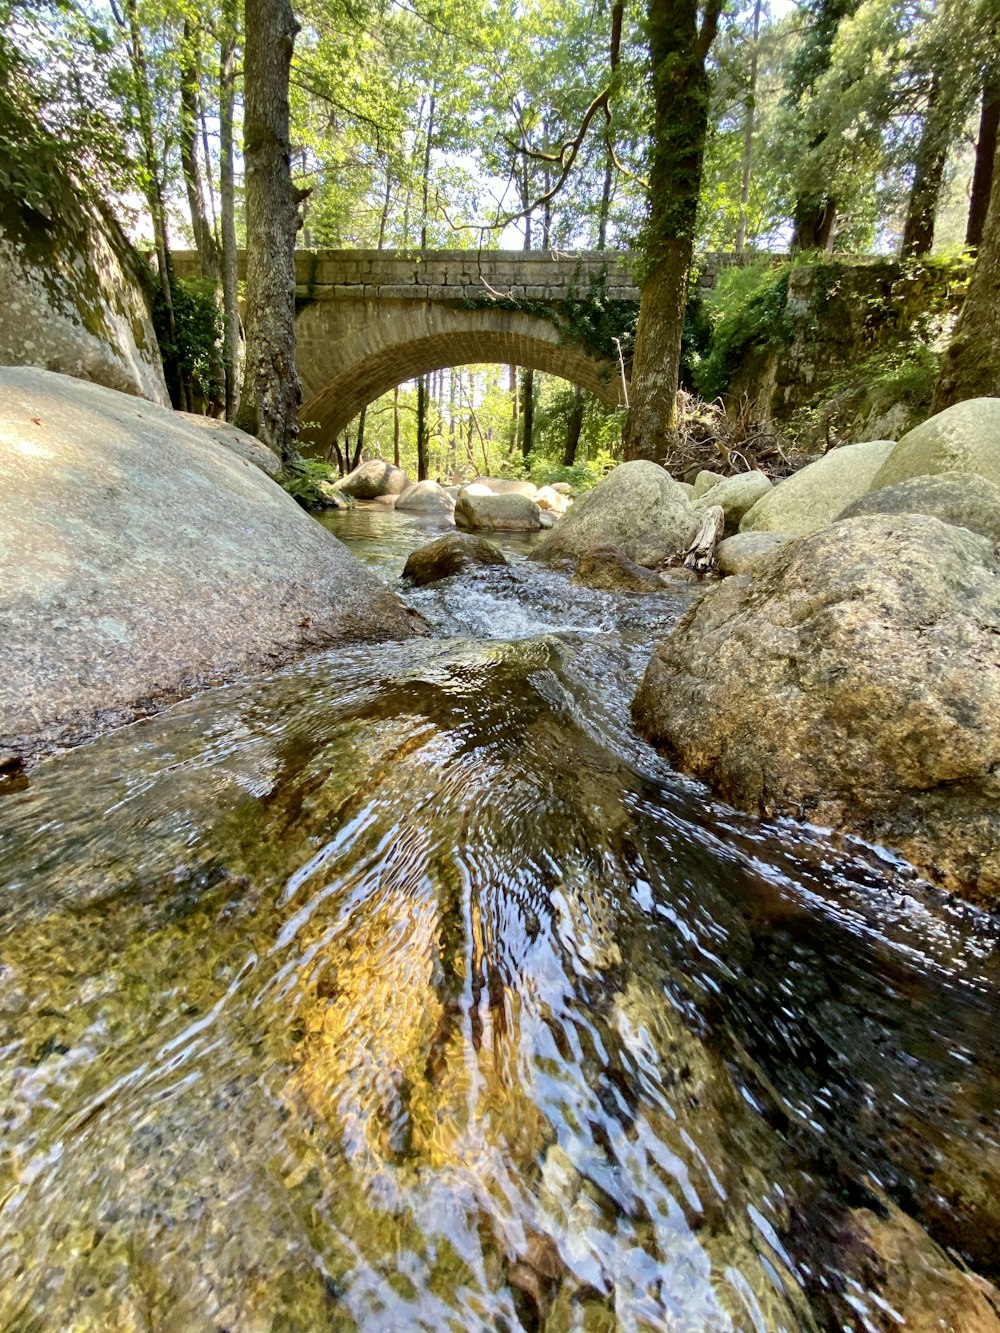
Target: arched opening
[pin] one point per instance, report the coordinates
(349, 372)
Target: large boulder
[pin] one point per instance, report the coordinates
(814, 496)
(855, 681)
(455, 553)
(140, 559)
(736, 495)
(425, 497)
(638, 507)
(965, 499)
(238, 441)
(74, 298)
(496, 513)
(374, 479)
(962, 438)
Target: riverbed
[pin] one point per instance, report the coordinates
(405, 988)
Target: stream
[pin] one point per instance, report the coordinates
(405, 988)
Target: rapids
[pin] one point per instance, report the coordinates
(406, 989)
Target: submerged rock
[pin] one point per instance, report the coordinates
(964, 499)
(962, 438)
(854, 681)
(814, 496)
(610, 569)
(496, 513)
(374, 479)
(638, 507)
(452, 554)
(425, 497)
(140, 559)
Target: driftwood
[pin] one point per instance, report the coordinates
(700, 555)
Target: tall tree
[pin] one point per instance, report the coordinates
(971, 367)
(269, 403)
(815, 214)
(680, 34)
(986, 147)
(228, 25)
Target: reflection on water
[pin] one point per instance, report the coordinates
(405, 989)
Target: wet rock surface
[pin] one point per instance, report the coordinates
(452, 554)
(854, 680)
(608, 567)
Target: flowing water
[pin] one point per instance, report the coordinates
(405, 988)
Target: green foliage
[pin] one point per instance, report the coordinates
(582, 476)
(746, 310)
(301, 478)
(194, 351)
(593, 322)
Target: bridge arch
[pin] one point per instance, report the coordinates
(343, 369)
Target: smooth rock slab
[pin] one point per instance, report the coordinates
(497, 513)
(962, 438)
(964, 499)
(139, 560)
(238, 441)
(455, 553)
(638, 507)
(813, 497)
(853, 681)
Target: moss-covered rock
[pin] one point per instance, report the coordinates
(73, 295)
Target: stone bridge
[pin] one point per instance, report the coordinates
(370, 319)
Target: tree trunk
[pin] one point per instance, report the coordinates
(971, 367)
(918, 231)
(748, 120)
(395, 425)
(528, 418)
(227, 206)
(815, 223)
(678, 48)
(986, 147)
(271, 390)
(190, 74)
(573, 428)
(421, 428)
(153, 185)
